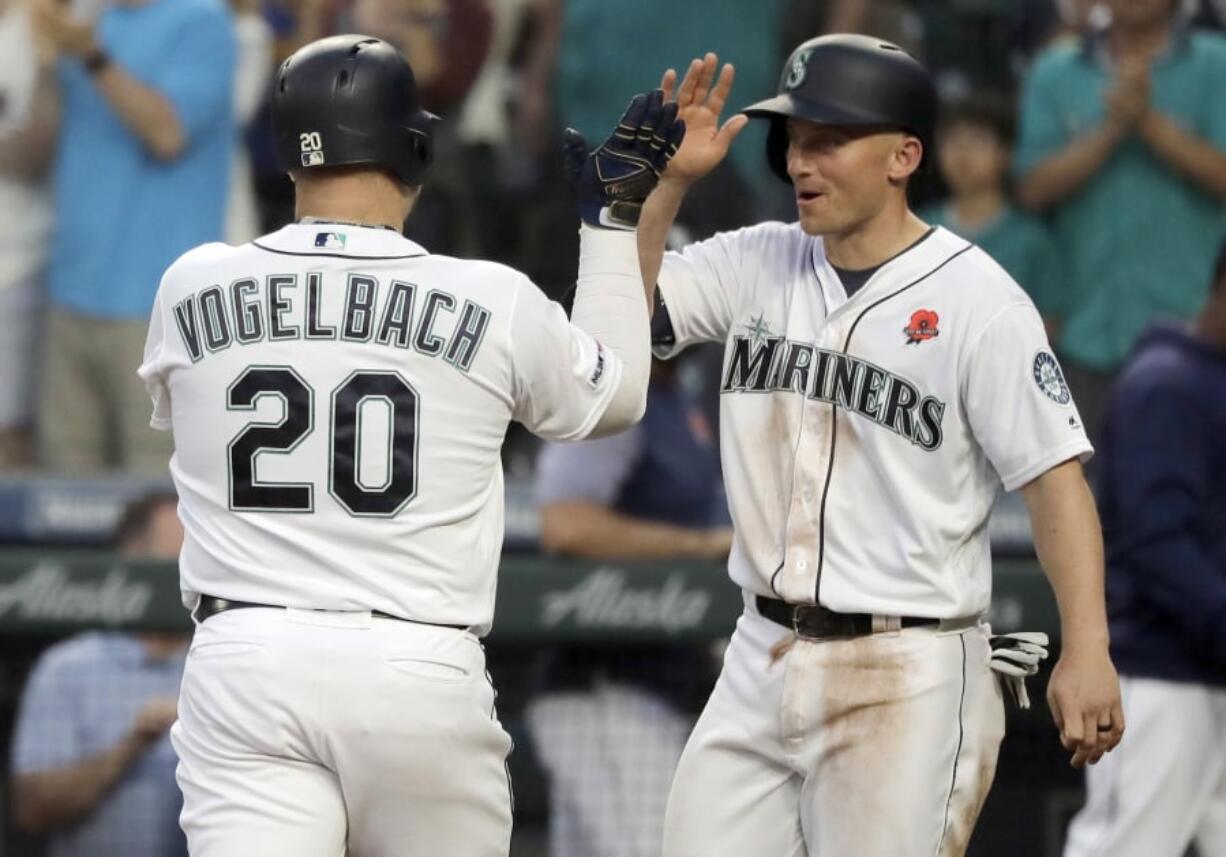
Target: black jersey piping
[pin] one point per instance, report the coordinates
(267, 249)
(834, 423)
(953, 779)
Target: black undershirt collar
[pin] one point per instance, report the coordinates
(853, 281)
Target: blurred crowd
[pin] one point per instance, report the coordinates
(1079, 146)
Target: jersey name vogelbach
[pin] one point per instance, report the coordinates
(775, 364)
(288, 307)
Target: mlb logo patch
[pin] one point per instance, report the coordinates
(330, 240)
(312, 159)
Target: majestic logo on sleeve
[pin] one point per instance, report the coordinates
(766, 364)
(922, 327)
(1050, 379)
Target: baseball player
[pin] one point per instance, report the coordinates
(338, 398)
(882, 381)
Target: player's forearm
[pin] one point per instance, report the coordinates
(1068, 542)
(46, 800)
(610, 304)
(146, 112)
(541, 51)
(592, 531)
(1189, 155)
(655, 221)
(1066, 171)
(26, 152)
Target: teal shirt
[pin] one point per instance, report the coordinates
(611, 50)
(1022, 246)
(1139, 239)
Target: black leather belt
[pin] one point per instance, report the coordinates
(818, 622)
(211, 605)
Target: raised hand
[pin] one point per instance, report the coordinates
(700, 100)
(613, 181)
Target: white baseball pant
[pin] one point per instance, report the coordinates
(881, 745)
(1164, 786)
(319, 734)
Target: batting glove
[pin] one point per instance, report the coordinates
(1015, 657)
(613, 181)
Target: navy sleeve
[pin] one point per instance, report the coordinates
(662, 333)
(1159, 458)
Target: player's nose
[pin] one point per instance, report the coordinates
(800, 166)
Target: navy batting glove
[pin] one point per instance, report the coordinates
(613, 182)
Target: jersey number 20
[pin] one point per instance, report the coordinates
(248, 494)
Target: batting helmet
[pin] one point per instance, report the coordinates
(848, 80)
(349, 100)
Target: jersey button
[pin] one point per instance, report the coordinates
(802, 564)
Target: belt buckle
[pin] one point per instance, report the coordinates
(798, 611)
(796, 621)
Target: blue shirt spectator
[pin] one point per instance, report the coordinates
(92, 762)
(123, 214)
(145, 146)
(83, 700)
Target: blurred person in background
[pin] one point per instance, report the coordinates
(27, 131)
(294, 23)
(610, 723)
(252, 73)
(501, 176)
(1123, 144)
(447, 42)
(93, 768)
(1162, 496)
(974, 147)
(145, 141)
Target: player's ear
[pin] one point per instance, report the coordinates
(905, 158)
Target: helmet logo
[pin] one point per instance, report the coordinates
(312, 148)
(796, 73)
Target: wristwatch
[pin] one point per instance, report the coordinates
(95, 61)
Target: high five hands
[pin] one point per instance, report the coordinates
(700, 100)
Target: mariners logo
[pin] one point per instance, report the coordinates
(796, 73)
(1050, 379)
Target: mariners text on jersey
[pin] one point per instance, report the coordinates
(769, 364)
(287, 306)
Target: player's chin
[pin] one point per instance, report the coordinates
(813, 223)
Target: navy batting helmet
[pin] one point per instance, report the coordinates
(351, 100)
(848, 80)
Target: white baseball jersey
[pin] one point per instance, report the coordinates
(339, 399)
(864, 440)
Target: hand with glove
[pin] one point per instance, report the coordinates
(1016, 657)
(613, 181)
